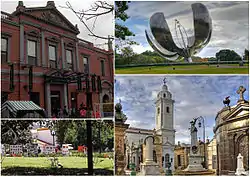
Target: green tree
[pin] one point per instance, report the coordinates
(61, 129)
(127, 54)
(16, 131)
(75, 132)
(227, 55)
(121, 31)
(246, 54)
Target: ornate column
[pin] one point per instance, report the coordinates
(65, 95)
(120, 128)
(48, 100)
(77, 58)
(63, 53)
(21, 43)
(43, 49)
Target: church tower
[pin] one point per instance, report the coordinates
(164, 119)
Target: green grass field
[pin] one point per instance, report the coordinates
(186, 69)
(67, 162)
(23, 166)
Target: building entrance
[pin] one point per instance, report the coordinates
(55, 103)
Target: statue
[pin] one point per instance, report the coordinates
(193, 122)
(226, 101)
(195, 159)
(186, 46)
(193, 132)
(120, 117)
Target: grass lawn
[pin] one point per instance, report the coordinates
(67, 162)
(41, 165)
(186, 69)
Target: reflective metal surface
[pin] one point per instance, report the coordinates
(161, 40)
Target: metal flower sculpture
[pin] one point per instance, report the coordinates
(187, 46)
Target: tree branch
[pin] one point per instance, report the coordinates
(99, 8)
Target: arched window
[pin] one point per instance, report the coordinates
(105, 98)
(162, 163)
(164, 95)
(166, 160)
(158, 110)
(167, 109)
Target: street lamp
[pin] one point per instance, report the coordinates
(53, 133)
(204, 129)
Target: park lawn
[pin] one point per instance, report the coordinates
(190, 69)
(67, 162)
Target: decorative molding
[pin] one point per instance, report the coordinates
(50, 16)
(53, 39)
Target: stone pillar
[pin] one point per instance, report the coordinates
(193, 138)
(136, 159)
(77, 58)
(63, 53)
(149, 167)
(65, 95)
(38, 58)
(21, 44)
(48, 99)
(149, 149)
(120, 158)
(43, 50)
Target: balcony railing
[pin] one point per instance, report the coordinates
(6, 16)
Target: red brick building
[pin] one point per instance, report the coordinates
(42, 59)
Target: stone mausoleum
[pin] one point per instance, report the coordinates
(232, 135)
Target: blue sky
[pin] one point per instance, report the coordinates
(230, 23)
(194, 96)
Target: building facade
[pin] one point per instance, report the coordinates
(164, 135)
(232, 135)
(43, 60)
(181, 156)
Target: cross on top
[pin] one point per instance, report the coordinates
(165, 80)
(241, 91)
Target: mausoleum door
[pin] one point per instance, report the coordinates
(154, 156)
(166, 160)
(243, 148)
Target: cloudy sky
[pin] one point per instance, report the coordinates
(194, 96)
(104, 24)
(230, 23)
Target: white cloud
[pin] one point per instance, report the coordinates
(140, 48)
(194, 96)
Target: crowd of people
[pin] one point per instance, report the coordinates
(81, 112)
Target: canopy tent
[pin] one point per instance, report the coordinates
(21, 109)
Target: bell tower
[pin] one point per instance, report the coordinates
(164, 109)
(164, 119)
